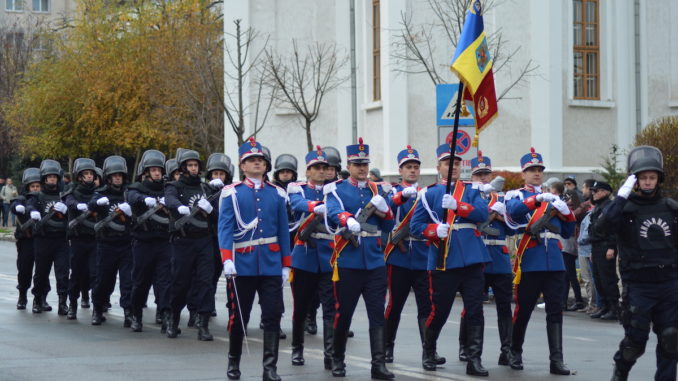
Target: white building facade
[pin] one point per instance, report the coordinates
(604, 70)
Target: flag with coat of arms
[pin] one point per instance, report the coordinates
(472, 63)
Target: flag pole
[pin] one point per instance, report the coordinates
(448, 186)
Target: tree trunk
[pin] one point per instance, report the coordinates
(309, 140)
(137, 158)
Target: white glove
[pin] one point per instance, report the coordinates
(353, 225)
(125, 209)
(20, 209)
(320, 209)
(627, 188)
(498, 207)
(285, 275)
(229, 267)
(162, 201)
(546, 197)
(449, 202)
(409, 192)
(102, 201)
(486, 188)
(150, 202)
(81, 207)
(183, 209)
(61, 207)
(379, 203)
(35, 215)
(442, 230)
(561, 206)
(205, 205)
(217, 183)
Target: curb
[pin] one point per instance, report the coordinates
(9, 237)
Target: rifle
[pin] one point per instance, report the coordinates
(72, 224)
(366, 213)
(545, 222)
(398, 236)
(179, 224)
(148, 214)
(43, 220)
(485, 226)
(30, 223)
(107, 222)
(310, 228)
(348, 235)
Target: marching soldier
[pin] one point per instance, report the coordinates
(81, 231)
(172, 170)
(360, 214)
(312, 273)
(254, 244)
(498, 273)
(285, 170)
(30, 181)
(333, 164)
(539, 267)
(114, 241)
(406, 255)
(192, 252)
(646, 224)
(150, 248)
(463, 257)
(50, 242)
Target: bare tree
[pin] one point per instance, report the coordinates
(304, 78)
(416, 48)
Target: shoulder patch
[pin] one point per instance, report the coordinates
(229, 189)
(295, 187)
(281, 192)
(516, 193)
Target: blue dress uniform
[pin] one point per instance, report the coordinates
(192, 251)
(498, 273)
(50, 241)
(464, 263)
(150, 249)
(406, 263)
(24, 239)
(360, 270)
(312, 272)
(254, 234)
(82, 238)
(114, 244)
(539, 269)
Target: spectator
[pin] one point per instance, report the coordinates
(584, 251)
(2, 185)
(569, 253)
(8, 193)
(375, 175)
(571, 184)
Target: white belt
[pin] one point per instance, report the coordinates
(549, 235)
(255, 242)
(326, 236)
(416, 239)
(495, 242)
(366, 234)
(464, 226)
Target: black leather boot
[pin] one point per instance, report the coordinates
(462, 340)
(137, 321)
(192, 315)
(62, 307)
(328, 340)
(298, 342)
(158, 316)
(517, 340)
(311, 325)
(45, 305)
(619, 374)
(234, 353)
(127, 322)
(428, 358)
(474, 350)
(23, 300)
(555, 336)
(165, 319)
(84, 302)
(378, 371)
(72, 313)
(390, 330)
(422, 329)
(203, 327)
(173, 325)
(505, 328)
(97, 316)
(612, 313)
(339, 347)
(271, 342)
(37, 304)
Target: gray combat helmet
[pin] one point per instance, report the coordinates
(30, 175)
(646, 158)
(152, 158)
(267, 157)
(50, 167)
(218, 161)
(82, 164)
(333, 157)
(115, 164)
(184, 155)
(171, 166)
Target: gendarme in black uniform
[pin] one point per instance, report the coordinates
(647, 226)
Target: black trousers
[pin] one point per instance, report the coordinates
(400, 281)
(192, 298)
(241, 297)
(605, 275)
(533, 284)
(48, 251)
(25, 257)
(444, 285)
(192, 264)
(83, 255)
(305, 286)
(113, 259)
(571, 279)
(502, 286)
(353, 283)
(151, 262)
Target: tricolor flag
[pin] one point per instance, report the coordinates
(472, 63)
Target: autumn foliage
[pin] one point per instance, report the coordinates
(663, 134)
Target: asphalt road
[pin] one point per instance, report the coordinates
(49, 347)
